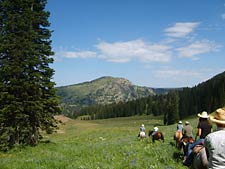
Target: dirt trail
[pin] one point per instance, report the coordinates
(77, 123)
(62, 118)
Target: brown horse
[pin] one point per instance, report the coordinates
(177, 137)
(200, 158)
(157, 136)
(183, 143)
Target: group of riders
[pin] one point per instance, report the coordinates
(207, 149)
(142, 134)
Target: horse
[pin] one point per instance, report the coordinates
(200, 159)
(177, 137)
(157, 136)
(183, 144)
(142, 135)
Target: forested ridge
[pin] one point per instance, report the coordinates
(175, 105)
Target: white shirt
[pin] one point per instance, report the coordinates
(215, 143)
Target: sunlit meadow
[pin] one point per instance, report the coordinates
(99, 144)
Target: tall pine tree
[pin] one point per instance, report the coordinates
(171, 114)
(27, 95)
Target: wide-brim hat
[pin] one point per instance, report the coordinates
(219, 116)
(180, 122)
(203, 114)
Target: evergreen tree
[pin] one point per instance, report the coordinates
(27, 95)
(172, 108)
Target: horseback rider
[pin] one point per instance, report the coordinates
(214, 142)
(187, 130)
(178, 134)
(186, 138)
(204, 128)
(142, 129)
(180, 126)
(155, 130)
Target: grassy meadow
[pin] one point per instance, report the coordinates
(99, 144)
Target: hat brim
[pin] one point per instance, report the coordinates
(212, 118)
(204, 117)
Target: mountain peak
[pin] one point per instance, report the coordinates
(104, 90)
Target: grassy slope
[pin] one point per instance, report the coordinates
(103, 144)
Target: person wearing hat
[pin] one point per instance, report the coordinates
(142, 129)
(155, 130)
(204, 128)
(180, 126)
(187, 130)
(215, 142)
(187, 133)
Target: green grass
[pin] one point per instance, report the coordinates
(100, 144)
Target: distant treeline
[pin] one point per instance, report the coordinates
(175, 105)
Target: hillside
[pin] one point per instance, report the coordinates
(208, 96)
(105, 90)
(177, 104)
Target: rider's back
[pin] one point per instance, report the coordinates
(215, 144)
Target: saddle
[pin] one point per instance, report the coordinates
(187, 140)
(157, 134)
(197, 148)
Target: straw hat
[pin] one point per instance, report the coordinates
(180, 122)
(203, 114)
(219, 116)
(187, 122)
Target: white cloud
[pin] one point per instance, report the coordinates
(179, 77)
(176, 73)
(122, 52)
(136, 49)
(80, 54)
(223, 16)
(182, 77)
(181, 29)
(198, 47)
(162, 51)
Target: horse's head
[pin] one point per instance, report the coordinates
(150, 132)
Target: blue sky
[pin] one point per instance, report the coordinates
(154, 43)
